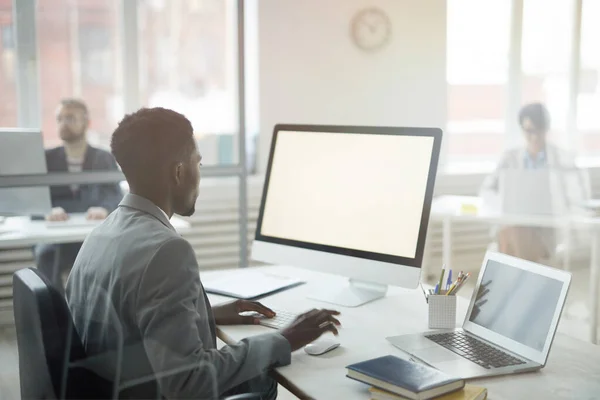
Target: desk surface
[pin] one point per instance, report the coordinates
(22, 231)
(573, 369)
(449, 207)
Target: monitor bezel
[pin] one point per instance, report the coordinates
(415, 261)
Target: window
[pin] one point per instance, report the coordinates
(8, 37)
(477, 74)
(187, 60)
(588, 100)
(96, 55)
(78, 44)
(8, 53)
(546, 50)
(8, 88)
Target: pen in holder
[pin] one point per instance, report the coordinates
(442, 311)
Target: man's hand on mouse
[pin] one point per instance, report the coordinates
(229, 313)
(310, 326)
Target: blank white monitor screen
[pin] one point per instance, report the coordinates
(348, 190)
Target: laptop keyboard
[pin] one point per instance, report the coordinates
(474, 350)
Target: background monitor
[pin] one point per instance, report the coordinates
(349, 200)
(22, 153)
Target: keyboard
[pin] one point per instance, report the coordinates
(474, 350)
(281, 319)
(73, 222)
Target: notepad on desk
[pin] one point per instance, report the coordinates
(249, 284)
(469, 392)
(404, 378)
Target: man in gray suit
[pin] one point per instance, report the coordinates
(135, 284)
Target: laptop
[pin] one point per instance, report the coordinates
(509, 326)
(531, 192)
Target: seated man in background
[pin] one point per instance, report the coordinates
(96, 200)
(535, 243)
(148, 274)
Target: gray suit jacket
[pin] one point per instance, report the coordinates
(135, 285)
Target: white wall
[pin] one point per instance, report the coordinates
(311, 72)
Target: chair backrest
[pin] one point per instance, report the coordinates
(48, 343)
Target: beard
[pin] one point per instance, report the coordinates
(70, 137)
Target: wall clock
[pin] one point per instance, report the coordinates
(371, 29)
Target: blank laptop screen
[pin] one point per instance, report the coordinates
(517, 304)
(352, 191)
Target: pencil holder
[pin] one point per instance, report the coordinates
(442, 312)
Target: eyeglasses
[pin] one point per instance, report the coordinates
(534, 132)
(69, 119)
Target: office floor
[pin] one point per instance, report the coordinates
(573, 323)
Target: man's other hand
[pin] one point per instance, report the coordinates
(310, 326)
(57, 214)
(229, 313)
(97, 213)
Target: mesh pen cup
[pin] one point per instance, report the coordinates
(442, 312)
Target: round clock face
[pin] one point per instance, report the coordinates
(371, 29)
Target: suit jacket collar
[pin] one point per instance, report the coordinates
(552, 155)
(143, 204)
(88, 158)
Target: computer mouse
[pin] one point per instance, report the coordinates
(321, 346)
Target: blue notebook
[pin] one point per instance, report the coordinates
(405, 378)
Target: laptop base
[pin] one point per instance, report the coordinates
(434, 355)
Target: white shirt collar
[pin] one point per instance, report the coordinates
(164, 213)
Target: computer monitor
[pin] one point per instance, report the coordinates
(22, 153)
(349, 200)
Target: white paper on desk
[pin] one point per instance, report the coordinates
(244, 284)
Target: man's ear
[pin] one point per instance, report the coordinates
(178, 173)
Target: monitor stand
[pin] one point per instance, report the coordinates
(354, 295)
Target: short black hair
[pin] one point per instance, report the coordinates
(150, 139)
(538, 114)
(75, 103)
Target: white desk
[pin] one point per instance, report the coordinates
(23, 232)
(447, 209)
(572, 372)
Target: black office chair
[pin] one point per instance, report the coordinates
(48, 343)
(51, 355)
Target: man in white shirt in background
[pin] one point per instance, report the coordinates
(535, 243)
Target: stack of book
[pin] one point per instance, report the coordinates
(393, 378)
